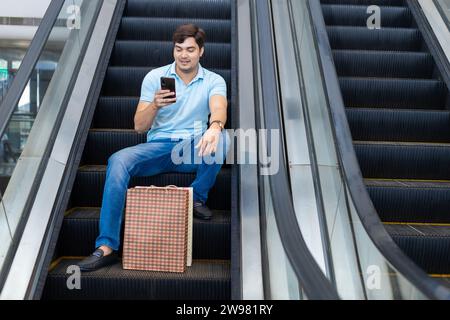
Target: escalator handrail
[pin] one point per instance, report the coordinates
(367, 213)
(28, 63)
(312, 279)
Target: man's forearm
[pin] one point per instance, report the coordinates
(219, 114)
(143, 119)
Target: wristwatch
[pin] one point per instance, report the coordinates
(219, 122)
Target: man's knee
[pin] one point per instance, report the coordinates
(118, 158)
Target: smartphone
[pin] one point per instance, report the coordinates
(168, 84)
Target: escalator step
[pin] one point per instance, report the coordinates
(124, 109)
(205, 280)
(211, 239)
(398, 3)
(399, 125)
(101, 144)
(427, 245)
(127, 81)
(211, 9)
(398, 93)
(351, 15)
(89, 184)
(161, 29)
(149, 53)
(386, 39)
(411, 200)
(389, 64)
(404, 160)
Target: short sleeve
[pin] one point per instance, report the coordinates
(218, 87)
(149, 87)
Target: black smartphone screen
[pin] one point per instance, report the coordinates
(168, 84)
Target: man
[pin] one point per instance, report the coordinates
(173, 121)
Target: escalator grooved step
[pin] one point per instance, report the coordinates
(399, 125)
(124, 109)
(358, 63)
(211, 9)
(211, 239)
(427, 245)
(205, 280)
(160, 29)
(356, 15)
(410, 200)
(388, 92)
(133, 53)
(404, 161)
(117, 77)
(397, 3)
(89, 183)
(385, 39)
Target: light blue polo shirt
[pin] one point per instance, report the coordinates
(189, 115)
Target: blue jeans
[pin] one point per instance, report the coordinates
(148, 159)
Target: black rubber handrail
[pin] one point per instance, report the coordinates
(310, 276)
(348, 162)
(28, 63)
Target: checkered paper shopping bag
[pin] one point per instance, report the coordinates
(158, 229)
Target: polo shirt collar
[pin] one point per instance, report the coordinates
(200, 72)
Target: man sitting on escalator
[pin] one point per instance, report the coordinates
(173, 121)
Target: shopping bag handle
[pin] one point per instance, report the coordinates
(153, 186)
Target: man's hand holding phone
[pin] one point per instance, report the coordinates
(164, 98)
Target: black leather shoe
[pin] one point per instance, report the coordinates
(201, 211)
(97, 260)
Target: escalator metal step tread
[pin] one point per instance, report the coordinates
(134, 53)
(398, 3)
(390, 92)
(124, 109)
(356, 15)
(211, 239)
(160, 29)
(210, 9)
(411, 201)
(101, 144)
(408, 184)
(399, 125)
(205, 280)
(427, 245)
(89, 184)
(418, 230)
(127, 81)
(385, 39)
(391, 160)
(379, 64)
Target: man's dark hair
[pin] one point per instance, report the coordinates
(189, 30)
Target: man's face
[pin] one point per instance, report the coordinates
(187, 55)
